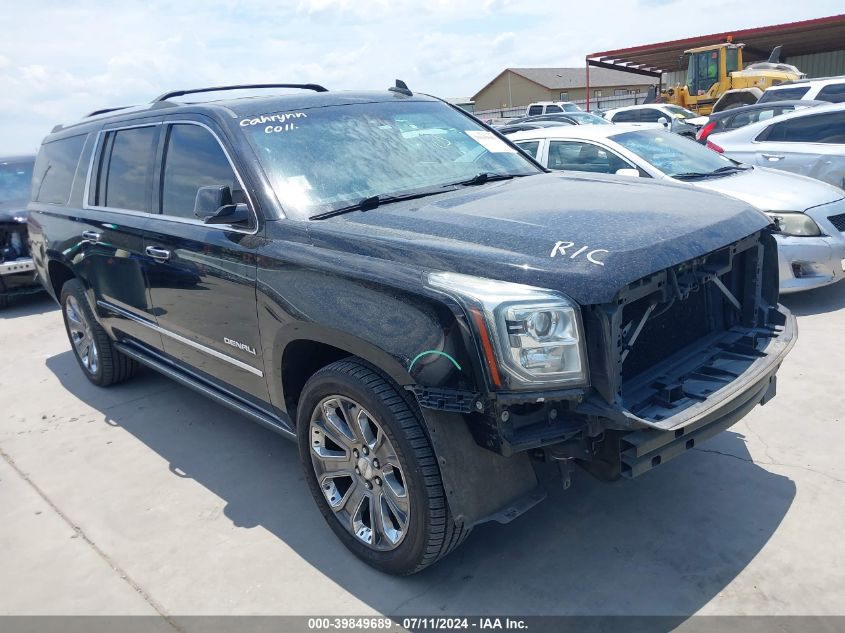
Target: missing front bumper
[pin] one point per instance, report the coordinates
(17, 266)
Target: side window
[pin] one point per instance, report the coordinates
(818, 128)
(783, 94)
(124, 175)
(652, 115)
(193, 159)
(578, 156)
(626, 116)
(746, 118)
(55, 168)
(553, 108)
(529, 147)
(534, 110)
(835, 93)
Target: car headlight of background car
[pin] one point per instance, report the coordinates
(795, 224)
(535, 335)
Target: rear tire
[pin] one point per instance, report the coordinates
(95, 352)
(349, 416)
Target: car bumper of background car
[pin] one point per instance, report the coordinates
(809, 262)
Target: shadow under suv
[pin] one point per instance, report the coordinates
(397, 287)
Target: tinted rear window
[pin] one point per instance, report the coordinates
(817, 128)
(55, 168)
(126, 168)
(784, 94)
(835, 93)
(626, 116)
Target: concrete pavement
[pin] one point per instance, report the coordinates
(148, 498)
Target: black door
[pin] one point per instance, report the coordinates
(112, 224)
(203, 282)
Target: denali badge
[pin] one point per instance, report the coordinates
(242, 346)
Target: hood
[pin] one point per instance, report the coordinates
(12, 209)
(587, 236)
(773, 189)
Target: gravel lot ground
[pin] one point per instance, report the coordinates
(148, 498)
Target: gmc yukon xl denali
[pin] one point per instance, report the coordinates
(417, 303)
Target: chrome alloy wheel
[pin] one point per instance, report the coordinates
(358, 473)
(81, 336)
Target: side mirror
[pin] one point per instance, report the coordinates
(628, 171)
(663, 121)
(213, 205)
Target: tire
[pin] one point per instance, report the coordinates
(4, 302)
(351, 389)
(95, 352)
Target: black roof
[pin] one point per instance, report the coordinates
(251, 105)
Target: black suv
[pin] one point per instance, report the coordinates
(420, 305)
(17, 272)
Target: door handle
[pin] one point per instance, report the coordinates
(91, 236)
(158, 254)
(773, 157)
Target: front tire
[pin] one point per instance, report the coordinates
(372, 471)
(95, 352)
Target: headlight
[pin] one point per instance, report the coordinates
(534, 334)
(797, 224)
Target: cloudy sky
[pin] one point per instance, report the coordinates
(58, 62)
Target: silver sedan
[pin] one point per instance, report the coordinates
(810, 142)
(809, 213)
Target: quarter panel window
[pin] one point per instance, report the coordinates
(126, 167)
(194, 159)
(529, 147)
(534, 110)
(55, 169)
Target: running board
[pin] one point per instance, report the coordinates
(263, 418)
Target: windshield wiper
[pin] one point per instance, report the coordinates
(371, 202)
(483, 177)
(727, 169)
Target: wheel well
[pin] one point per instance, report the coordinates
(59, 275)
(301, 360)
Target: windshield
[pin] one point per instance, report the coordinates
(680, 113)
(671, 153)
(15, 180)
(586, 118)
(322, 159)
(570, 107)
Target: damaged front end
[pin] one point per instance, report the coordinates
(676, 357)
(17, 271)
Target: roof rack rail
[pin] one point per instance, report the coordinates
(179, 93)
(104, 110)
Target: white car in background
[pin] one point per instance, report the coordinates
(658, 115)
(550, 107)
(809, 213)
(810, 142)
(830, 89)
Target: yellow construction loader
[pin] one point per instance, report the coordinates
(716, 79)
